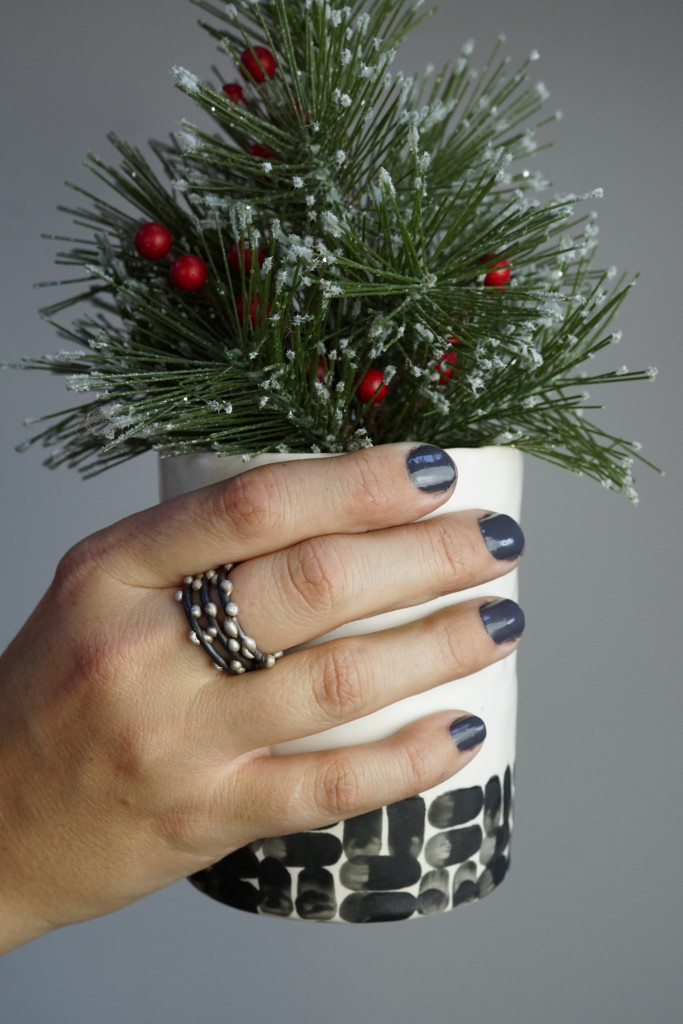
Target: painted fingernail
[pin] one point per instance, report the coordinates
(504, 619)
(503, 536)
(431, 469)
(467, 732)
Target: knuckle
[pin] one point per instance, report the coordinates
(142, 744)
(103, 659)
(454, 640)
(95, 656)
(92, 564)
(250, 504)
(184, 825)
(338, 788)
(103, 691)
(116, 652)
(369, 486)
(343, 687)
(78, 567)
(138, 753)
(418, 767)
(316, 574)
(448, 551)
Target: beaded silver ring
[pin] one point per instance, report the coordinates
(212, 614)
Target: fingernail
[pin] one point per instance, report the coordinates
(431, 469)
(503, 536)
(504, 619)
(467, 732)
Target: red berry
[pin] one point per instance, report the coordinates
(446, 365)
(261, 151)
(499, 275)
(153, 241)
(256, 63)
(253, 309)
(189, 273)
(372, 387)
(238, 255)
(235, 92)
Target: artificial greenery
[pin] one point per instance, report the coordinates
(380, 202)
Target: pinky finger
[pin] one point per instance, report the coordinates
(307, 791)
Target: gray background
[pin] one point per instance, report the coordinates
(588, 926)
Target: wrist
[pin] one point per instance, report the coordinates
(18, 926)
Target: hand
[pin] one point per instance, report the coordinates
(127, 762)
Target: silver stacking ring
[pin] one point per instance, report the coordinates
(212, 614)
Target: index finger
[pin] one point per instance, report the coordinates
(274, 506)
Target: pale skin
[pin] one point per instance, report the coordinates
(127, 762)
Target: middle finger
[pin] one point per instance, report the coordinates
(293, 596)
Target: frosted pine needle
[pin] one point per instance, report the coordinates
(393, 224)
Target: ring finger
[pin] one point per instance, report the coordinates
(348, 678)
(292, 596)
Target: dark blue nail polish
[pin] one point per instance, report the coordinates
(503, 536)
(504, 619)
(431, 468)
(467, 732)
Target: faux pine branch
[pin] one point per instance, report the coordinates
(339, 256)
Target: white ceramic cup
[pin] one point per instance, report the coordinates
(456, 858)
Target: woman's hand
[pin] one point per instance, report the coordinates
(127, 762)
